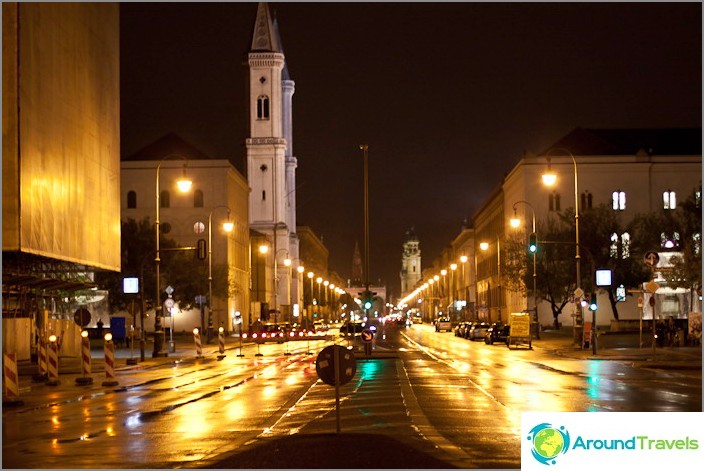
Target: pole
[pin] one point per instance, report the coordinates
(158, 332)
(498, 269)
(365, 148)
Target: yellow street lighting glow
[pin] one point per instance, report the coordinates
(453, 266)
(326, 282)
(515, 222)
(436, 277)
(287, 262)
(443, 272)
(431, 281)
(484, 245)
(184, 185)
(263, 248)
(301, 269)
(463, 259)
(319, 280)
(108, 337)
(84, 333)
(310, 274)
(549, 178)
(221, 330)
(195, 331)
(228, 226)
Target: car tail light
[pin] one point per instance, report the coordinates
(254, 336)
(244, 336)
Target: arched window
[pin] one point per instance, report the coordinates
(554, 201)
(618, 200)
(669, 200)
(164, 199)
(131, 199)
(625, 245)
(263, 107)
(585, 200)
(613, 247)
(198, 199)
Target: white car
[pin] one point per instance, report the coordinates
(443, 323)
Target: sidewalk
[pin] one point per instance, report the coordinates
(621, 347)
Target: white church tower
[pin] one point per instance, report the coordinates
(271, 166)
(410, 262)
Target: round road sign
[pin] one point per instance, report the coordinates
(169, 303)
(82, 316)
(367, 335)
(325, 364)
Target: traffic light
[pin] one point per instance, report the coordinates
(533, 243)
(367, 300)
(592, 303)
(201, 252)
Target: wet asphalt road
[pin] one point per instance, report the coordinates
(455, 400)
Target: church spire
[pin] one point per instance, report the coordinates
(265, 37)
(356, 266)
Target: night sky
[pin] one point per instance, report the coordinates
(448, 96)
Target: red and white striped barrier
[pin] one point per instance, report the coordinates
(85, 360)
(53, 361)
(199, 346)
(109, 362)
(221, 343)
(11, 391)
(41, 375)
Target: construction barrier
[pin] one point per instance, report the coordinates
(199, 347)
(221, 343)
(85, 360)
(53, 362)
(11, 390)
(109, 362)
(41, 375)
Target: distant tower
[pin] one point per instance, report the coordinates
(410, 262)
(271, 166)
(357, 266)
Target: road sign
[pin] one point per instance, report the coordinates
(578, 293)
(652, 287)
(367, 335)
(169, 303)
(651, 258)
(82, 316)
(325, 364)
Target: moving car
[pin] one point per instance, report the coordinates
(352, 329)
(443, 323)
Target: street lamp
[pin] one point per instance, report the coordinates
(453, 288)
(516, 222)
(184, 185)
(549, 179)
(485, 246)
(227, 227)
(309, 314)
(464, 259)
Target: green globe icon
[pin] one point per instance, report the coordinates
(548, 443)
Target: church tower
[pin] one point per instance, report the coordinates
(271, 166)
(410, 262)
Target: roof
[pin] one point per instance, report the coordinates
(170, 143)
(656, 141)
(264, 37)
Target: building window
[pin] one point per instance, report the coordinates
(613, 248)
(131, 199)
(670, 241)
(263, 195)
(618, 200)
(263, 107)
(554, 201)
(164, 199)
(697, 238)
(586, 200)
(625, 245)
(620, 247)
(668, 200)
(198, 199)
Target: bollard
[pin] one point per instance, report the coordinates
(11, 392)
(109, 362)
(85, 361)
(196, 338)
(41, 376)
(52, 362)
(221, 343)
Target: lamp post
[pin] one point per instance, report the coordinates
(549, 179)
(453, 288)
(309, 313)
(227, 227)
(515, 222)
(464, 259)
(443, 285)
(485, 246)
(184, 185)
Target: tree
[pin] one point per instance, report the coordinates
(180, 269)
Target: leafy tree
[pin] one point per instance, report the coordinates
(180, 269)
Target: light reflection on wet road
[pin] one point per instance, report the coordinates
(463, 397)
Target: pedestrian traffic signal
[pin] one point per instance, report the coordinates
(592, 303)
(200, 249)
(533, 243)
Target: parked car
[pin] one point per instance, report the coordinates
(352, 329)
(478, 331)
(462, 328)
(269, 332)
(443, 323)
(497, 333)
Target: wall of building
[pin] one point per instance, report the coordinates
(62, 129)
